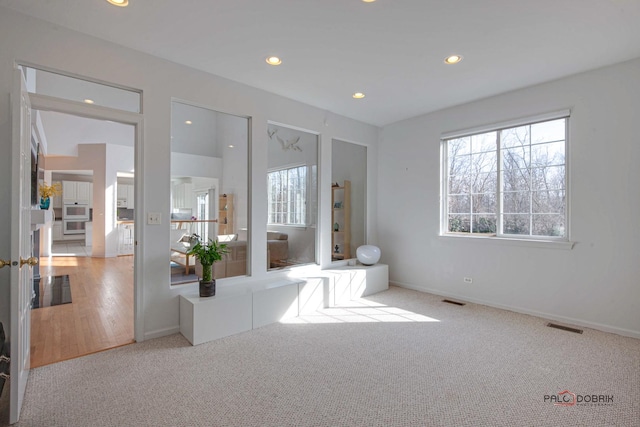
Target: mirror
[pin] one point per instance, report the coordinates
(348, 199)
(209, 189)
(292, 192)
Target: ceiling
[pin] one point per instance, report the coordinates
(392, 50)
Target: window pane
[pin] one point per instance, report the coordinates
(484, 203)
(459, 204)
(553, 130)
(548, 225)
(483, 142)
(515, 224)
(484, 162)
(516, 158)
(550, 178)
(548, 201)
(459, 165)
(484, 223)
(514, 137)
(515, 180)
(549, 154)
(516, 202)
(460, 223)
(457, 147)
(459, 184)
(485, 182)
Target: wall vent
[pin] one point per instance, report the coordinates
(453, 302)
(565, 328)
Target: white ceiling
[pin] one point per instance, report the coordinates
(392, 50)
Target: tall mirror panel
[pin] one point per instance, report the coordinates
(209, 190)
(348, 199)
(292, 191)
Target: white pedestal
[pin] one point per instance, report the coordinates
(206, 319)
(351, 282)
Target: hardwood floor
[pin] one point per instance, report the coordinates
(99, 317)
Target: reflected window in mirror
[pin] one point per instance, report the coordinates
(292, 193)
(209, 190)
(348, 191)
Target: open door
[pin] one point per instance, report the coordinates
(21, 259)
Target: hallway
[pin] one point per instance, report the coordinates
(99, 317)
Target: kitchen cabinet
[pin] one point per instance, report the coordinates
(76, 192)
(57, 231)
(126, 195)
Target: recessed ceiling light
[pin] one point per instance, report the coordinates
(368, 1)
(273, 60)
(121, 3)
(188, 122)
(88, 101)
(358, 95)
(231, 145)
(453, 59)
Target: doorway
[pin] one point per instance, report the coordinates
(80, 250)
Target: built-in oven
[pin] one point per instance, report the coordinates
(80, 212)
(74, 226)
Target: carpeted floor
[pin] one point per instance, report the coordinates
(398, 358)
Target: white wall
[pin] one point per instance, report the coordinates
(597, 283)
(52, 46)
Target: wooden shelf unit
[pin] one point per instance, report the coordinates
(225, 214)
(341, 215)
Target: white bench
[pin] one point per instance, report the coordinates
(240, 308)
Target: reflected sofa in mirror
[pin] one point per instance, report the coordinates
(348, 191)
(292, 192)
(209, 190)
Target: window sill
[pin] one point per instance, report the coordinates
(549, 244)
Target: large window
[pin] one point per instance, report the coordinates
(509, 181)
(287, 196)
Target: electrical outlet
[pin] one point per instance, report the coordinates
(468, 280)
(154, 218)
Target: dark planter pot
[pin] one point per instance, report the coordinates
(208, 289)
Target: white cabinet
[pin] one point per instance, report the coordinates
(76, 192)
(126, 197)
(57, 231)
(91, 195)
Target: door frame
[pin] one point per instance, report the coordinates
(92, 111)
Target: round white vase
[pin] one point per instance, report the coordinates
(368, 254)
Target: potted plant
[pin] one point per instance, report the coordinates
(47, 192)
(207, 254)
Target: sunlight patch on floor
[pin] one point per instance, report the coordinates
(360, 311)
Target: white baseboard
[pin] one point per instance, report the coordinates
(549, 316)
(161, 332)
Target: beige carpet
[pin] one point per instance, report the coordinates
(399, 358)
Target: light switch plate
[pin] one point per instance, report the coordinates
(154, 218)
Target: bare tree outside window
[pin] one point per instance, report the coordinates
(509, 181)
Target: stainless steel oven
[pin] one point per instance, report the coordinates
(80, 212)
(74, 226)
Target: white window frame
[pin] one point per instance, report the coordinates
(305, 187)
(562, 241)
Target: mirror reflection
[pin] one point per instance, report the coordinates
(348, 198)
(209, 189)
(292, 191)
